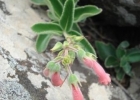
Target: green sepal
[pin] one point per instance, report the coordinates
(57, 47)
(56, 68)
(81, 53)
(104, 50)
(53, 66)
(47, 28)
(111, 62)
(50, 65)
(73, 79)
(83, 12)
(83, 43)
(66, 20)
(42, 42)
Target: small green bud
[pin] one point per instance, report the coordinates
(66, 60)
(57, 47)
(72, 55)
(65, 44)
(78, 38)
(73, 79)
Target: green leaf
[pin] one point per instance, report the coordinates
(127, 68)
(123, 61)
(51, 16)
(111, 62)
(39, 2)
(120, 52)
(83, 12)
(84, 43)
(66, 20)
(76, 28)
(56, 7)
(47, 28)
(134, 57)
(120, 75)
(124, 44)
(42, 42)
(63, 1)
(105, 50)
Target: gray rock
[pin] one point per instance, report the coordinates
(119, 12)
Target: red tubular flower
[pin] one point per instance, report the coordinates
(56, 79)
(46, 72)
(104, 78)
(76, 92)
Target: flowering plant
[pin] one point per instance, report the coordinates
(64, 15)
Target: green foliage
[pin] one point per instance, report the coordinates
(119, 58)
(104, 50)
(83, 12)
(42, 42)
(47, 28)
(64, 15)
(66, 20)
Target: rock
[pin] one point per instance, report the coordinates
(118, 12)
(21, 66)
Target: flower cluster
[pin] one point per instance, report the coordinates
(68, 50)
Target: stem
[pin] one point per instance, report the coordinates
(64, 80)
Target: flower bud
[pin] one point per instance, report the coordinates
(57, 47)
(46, 72)
(56, 79)
(104, 78)
(76, 92)
(65, 44)
(78, 38)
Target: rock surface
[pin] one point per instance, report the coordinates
(21, 66)
(119, 12)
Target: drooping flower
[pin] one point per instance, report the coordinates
(56, 79)
(76, 92)
(46, 72)
(104, 78)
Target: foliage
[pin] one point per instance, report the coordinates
(119, 58)
(65, 16)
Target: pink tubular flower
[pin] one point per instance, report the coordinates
(76, 92)
(56, 79)
(46, 72)
(104, 78)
